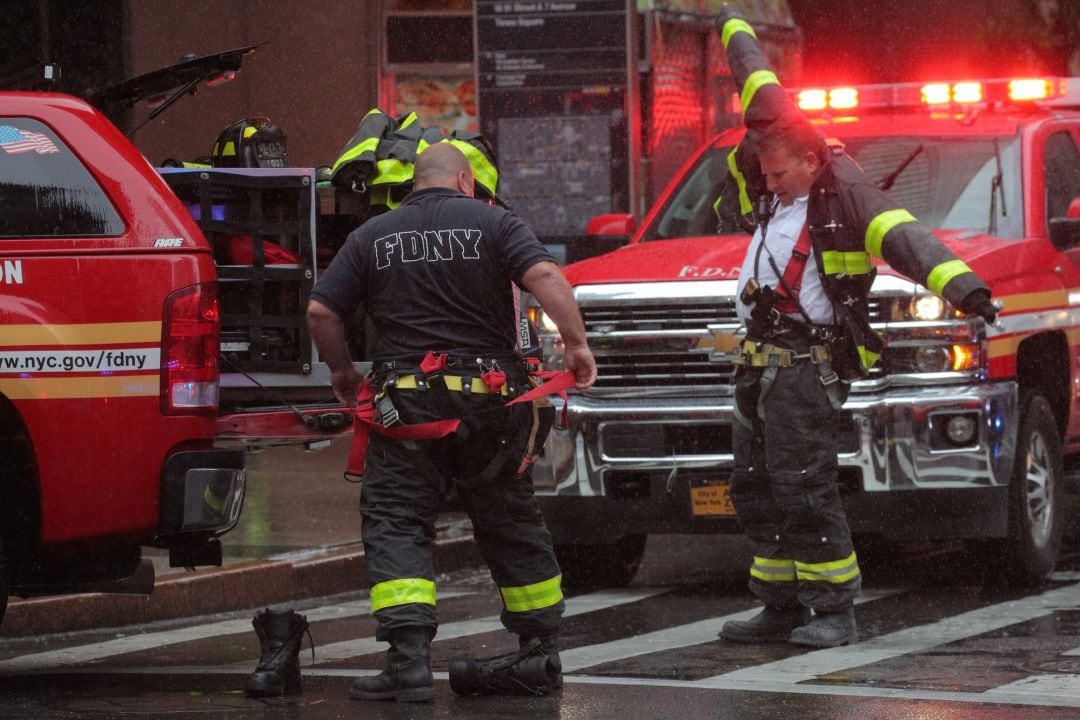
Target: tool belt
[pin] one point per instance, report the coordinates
(757, 354)
(375, 410)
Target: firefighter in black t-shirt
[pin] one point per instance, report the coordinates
(437, 274)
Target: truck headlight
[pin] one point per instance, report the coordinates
(927, 307)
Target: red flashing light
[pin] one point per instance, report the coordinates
(843, 98)
(813, 99)
(1030, 89)
(967, 92)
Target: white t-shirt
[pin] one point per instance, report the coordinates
(783, 233)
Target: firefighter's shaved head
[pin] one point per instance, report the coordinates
(443, 165)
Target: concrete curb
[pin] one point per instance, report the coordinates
(250, 584)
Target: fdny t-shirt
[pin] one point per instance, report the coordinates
(435, 274)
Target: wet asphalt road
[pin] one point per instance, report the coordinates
(937, 642)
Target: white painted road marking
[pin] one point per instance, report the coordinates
(809, 666)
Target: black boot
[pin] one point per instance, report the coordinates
(773, 623)
(407, 677)
(828, 630)
(278, 672)
(549, 645)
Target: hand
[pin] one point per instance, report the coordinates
(580, 359)
(987, 311)
(346, 385)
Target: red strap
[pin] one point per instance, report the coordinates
(364, 420)
(432, 362)
(793, 273)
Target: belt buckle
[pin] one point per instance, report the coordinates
(819, 354)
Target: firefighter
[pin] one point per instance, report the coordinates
(435, 277)
(802, 294)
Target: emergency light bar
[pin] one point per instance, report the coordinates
(932, 95)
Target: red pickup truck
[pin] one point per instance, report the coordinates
(109, 375)
(962, 432)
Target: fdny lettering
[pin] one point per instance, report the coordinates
(168, 242)
(431, 245)
(695, 271)
(12, 272)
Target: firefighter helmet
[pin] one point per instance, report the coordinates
(252, 142)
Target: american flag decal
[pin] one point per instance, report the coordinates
(15, 142)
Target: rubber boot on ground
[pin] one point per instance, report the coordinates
(828, 630)
(278, 672)
(407, 677)
(549, 644)
(773, 624)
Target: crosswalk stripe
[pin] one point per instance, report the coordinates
(672, 638)
(448, 631)
(145, 641)
(809, 666)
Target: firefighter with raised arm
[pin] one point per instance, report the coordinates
(450, 401)
(802, 294)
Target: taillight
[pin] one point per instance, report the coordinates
(190, 334)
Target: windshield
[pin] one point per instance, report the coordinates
(948, 184)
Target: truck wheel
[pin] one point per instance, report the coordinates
(1036, 500)
(588, 567)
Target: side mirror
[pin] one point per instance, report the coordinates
(613, 224)
(1065, 232)
(603, 234)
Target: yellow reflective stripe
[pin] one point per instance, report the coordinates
(249, 131)
(745, 206)
(733, 26)
(402, 592)
(390, 171)
(364, 146)
(409, 120)
(943, 273)
(773, 570)
(755, 82)
(879, 226)
(867, 357)
(70, 388)
(835, 571)
(81, 334)
(483, 171)
(229, 149)
(533, 597)
(846, 263)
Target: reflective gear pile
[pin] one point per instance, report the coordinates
(378, 159)
(850, 220)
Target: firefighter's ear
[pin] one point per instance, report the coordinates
(465, 183)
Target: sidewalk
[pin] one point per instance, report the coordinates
(298, 537)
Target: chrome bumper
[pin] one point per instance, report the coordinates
(893, 442)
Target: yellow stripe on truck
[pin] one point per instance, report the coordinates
(81, 334)
(62, 388)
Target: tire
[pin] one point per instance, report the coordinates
(590, 567)
(1036, 500)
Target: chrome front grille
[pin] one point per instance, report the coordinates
(652, 341)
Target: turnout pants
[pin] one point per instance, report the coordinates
(784, 487)
(404, 482)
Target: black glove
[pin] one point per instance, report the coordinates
(987, 311)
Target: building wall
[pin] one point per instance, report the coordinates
(315, 76)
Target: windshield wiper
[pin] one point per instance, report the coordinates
(997, 187)
(887, 182)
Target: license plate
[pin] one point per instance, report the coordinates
(710, 498)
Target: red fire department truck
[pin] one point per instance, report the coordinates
(962, 431)
(109, 325)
